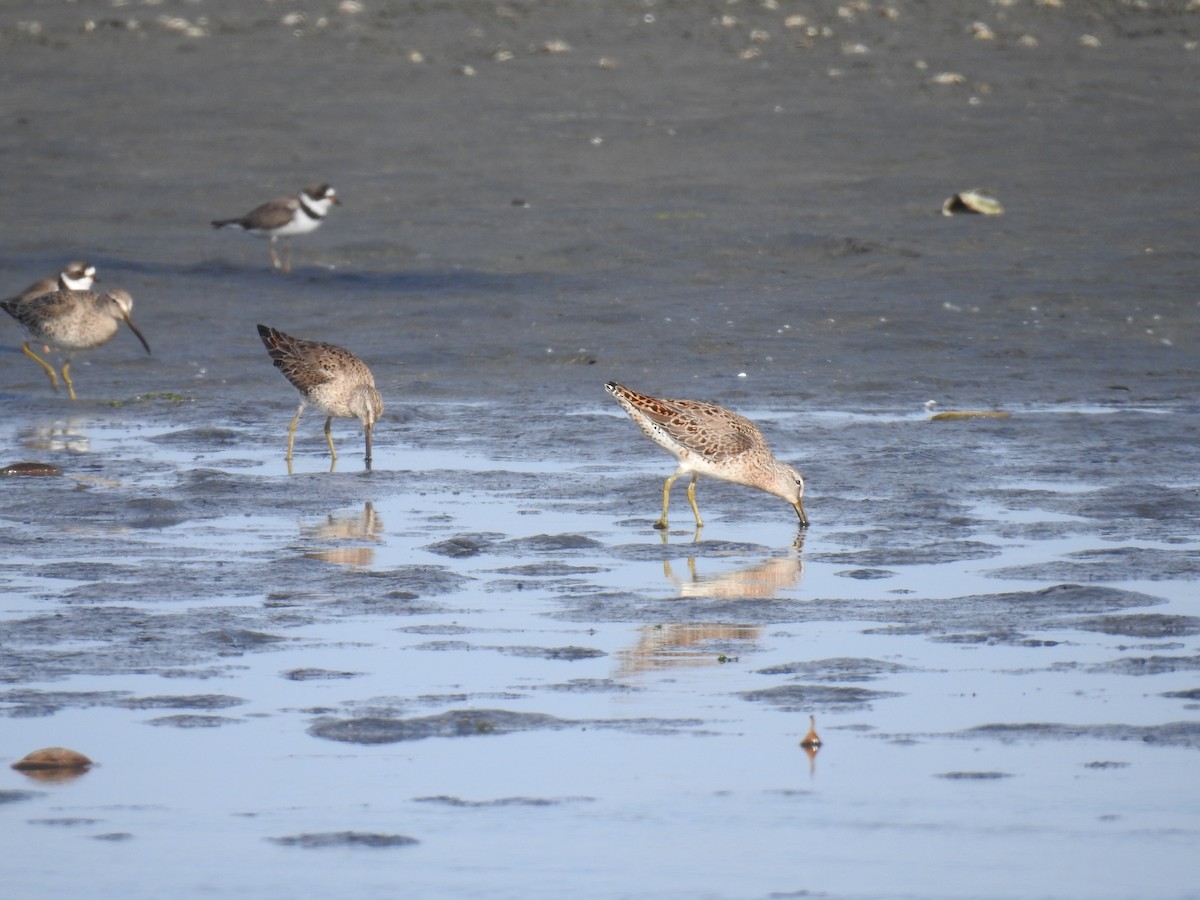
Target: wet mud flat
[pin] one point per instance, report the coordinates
(477, 670)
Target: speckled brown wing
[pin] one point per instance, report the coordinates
(703, 428)
(36, 312)
(712, 431)
(310, 364)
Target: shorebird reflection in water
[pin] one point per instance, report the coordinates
(329, 378)
(710, 440)
(72, 320)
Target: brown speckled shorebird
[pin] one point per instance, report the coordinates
(710, 440)
(328, 377)
(76, 276)
(285, 217)
(72, 320)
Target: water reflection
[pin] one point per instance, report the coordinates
(53, 776)
(661, 647)
(364, 525)
(683, 643)
(58, 437)
(811, 744)
(760, 582)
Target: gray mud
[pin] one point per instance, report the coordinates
(730, 201)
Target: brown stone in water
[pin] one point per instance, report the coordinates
(970, 414)
(52, 758)
(31, 468)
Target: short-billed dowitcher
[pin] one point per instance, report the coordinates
(710, 440)
(286, 217)
(328, 377)
(76, 276)
(72, 320)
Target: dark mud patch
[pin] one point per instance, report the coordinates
(1115, 564)
(317, 674)
(18, 796)
(973, 776)
(1147, 665)
(866, 574)
(201, 440)
(591, 686)
(114, 836)
(193, 721)
(1144, 625)
(1008, 618)
(549, 569)
(197, 701)
(344, 839)
(809, 697)
(463, 546)
(66, 821)
(448, 628)
(445, 800)
(570, 654)
(467, 545)
(659, 552)
(474, 723)
(1170, 734)
(32, 703)
(838, 669)
(952, 549)
(1190, 694)
(23, 703)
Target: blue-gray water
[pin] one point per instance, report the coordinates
(482, 645)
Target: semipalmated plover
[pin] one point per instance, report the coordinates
(76, 276)
(72, 320)
(286, 217)
(328, 377)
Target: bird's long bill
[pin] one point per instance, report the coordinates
(137, 331)
(799, 505)
(367, 430)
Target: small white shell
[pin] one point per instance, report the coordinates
(976, 200)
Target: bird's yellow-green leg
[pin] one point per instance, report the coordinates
(292, 432)
(66, 373)
(329, 438)
(41, 362)
(692, 500)
(662, 521)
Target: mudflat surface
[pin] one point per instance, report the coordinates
(476, 670)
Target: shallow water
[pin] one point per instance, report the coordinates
(477, 670)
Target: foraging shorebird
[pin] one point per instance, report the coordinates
(328, 377)
(72, 320)
(710, 440)
(76, 276)
(284, 218)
